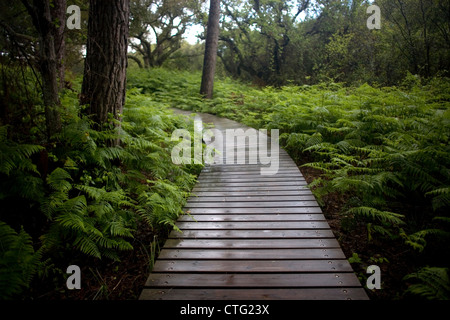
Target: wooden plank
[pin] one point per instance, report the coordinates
(242, 168)
(199, 188)
(273, 204)
(251, 254)
(286, 210)
(282, 170)
(250, 244)
(252, 160)
(253, 225)
(253, 266)
(252, 234)
(252, 198)
(242, 150)
(228, 193)
(281, 173)
(225, 185)
(252, 217)
(343, 293)
(261, 280)
(250, 179)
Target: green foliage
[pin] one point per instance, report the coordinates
(18, 261)
(355, 258)
(430, 283)
(89, 195)
(272, 42)
(94, 202)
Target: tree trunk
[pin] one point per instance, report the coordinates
(104, 80)
(47, 19)
(59, 12)
(212, 39)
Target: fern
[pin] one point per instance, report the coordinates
(431, 283)
(19, 262)
(373, 214)
(441, 197)
(16, 156)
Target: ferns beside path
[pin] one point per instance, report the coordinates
(385, 151)
(87, 196)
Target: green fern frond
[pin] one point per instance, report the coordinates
(418, 241)
(57, 180)
(19, 262)
(17, 156)
(373, 214)
(441, 197)
(442, 219)
(433, 283)
(87, 246)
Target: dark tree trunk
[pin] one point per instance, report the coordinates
(104, 80)
(212, 39)
(49, 20)
(59, 12)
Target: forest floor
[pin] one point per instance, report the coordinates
(392, 260)
(107, 279)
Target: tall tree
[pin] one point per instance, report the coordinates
(48, 18)
(158, 27)
(211, 44)
(260, 38)
(104, 80)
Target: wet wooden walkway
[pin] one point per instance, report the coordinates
(251, 237)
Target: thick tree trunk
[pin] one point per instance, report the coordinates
(104, 81)
(212, 39)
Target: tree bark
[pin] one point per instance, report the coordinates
(47, 20)
(212, 39)
(104, 80)
(59, 12)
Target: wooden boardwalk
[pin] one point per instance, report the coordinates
(252, 237)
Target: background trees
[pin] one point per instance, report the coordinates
(276, 42)
(301, 41)
(157, 27)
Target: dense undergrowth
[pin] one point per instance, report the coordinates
(383, 152)
(79, 200)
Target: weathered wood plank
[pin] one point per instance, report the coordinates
(252, 217)
(255, 294)
(231, 193)
(273, 204)
(209, 181)
(252, 198)
(250, 225)
(247, 266)
(225, 185)
(286, 210)
(252, 234)
(251, 254)
(241, 168)
(199, 188)
(250, 244)
(256, 280)
(248, 173)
